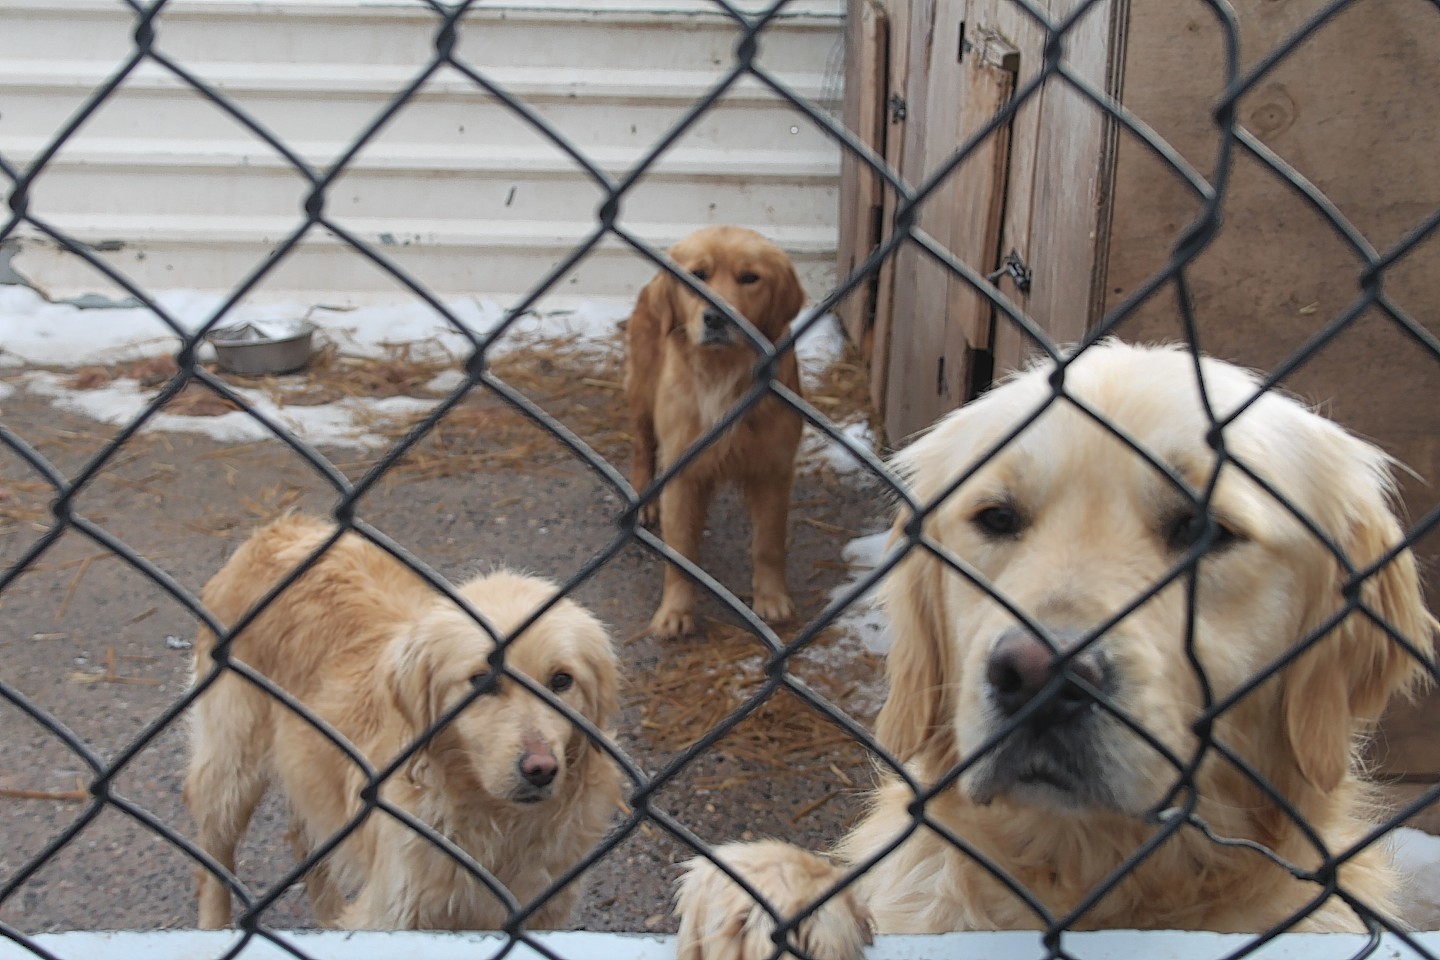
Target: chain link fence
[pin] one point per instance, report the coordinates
(645, 780)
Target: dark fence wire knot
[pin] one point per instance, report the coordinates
(1177, 812)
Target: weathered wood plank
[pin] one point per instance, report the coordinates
(944, 321)
(860, 197)
(898, 72)
(1060, 174)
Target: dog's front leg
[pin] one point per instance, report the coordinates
(768, 501)
(683, 504)
(642, 462)
(720, 921)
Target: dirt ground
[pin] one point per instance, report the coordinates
(99, 647)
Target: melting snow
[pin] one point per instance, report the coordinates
(34, 331)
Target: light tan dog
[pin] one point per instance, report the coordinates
(686, 366)
(378, 654)
(1073, 528)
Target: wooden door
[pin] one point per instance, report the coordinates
(958, 80)
(1036, 187)
(1062, 169)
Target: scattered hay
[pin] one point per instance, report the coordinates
(273, 501)
(112, 675)
(80, 793)
(24, 501)
(693, 688)
(148, 372)
(580, 384)
(89, 378)
(84, 566)
(404, 370)
(198, 400)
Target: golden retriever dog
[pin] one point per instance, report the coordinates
(1074, 714)
(379, 655)
(686, 366)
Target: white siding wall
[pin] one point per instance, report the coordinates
(455, 188)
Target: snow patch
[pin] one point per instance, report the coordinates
(821, 450)
(822, 343)
(36, 332)
(863, 618)
(339, 424)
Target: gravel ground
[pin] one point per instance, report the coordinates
(99, 647)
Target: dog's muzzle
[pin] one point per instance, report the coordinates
(1052, 752)
(537, 767)
(717, 330)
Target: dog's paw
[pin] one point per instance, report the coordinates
(650, 514)
(720, 920)
(774, 607)
(672, 622)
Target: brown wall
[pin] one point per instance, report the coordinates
(1355, 110)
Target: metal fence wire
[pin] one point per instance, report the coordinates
(750, 27)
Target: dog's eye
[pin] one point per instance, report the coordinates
(1186, 530)
(483, 683)
(999, 521)
(749, 278)
(701, 275)
(560, 682)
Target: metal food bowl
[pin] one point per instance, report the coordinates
(262, 347)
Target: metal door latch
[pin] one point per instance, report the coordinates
(1015, 268)
(897, 108)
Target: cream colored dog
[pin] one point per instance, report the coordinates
(378, 654)
(1039, 702)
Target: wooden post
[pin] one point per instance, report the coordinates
(895, 116)
(860, 200)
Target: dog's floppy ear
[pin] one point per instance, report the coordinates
(916, 723)
(655, 307)
(786, 298)
(409, 673)
(603, 691)
(1340, 686)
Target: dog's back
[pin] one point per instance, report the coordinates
(347, 598)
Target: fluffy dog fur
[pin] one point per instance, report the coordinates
(1072, 526)
(378, 654)
(686, 366)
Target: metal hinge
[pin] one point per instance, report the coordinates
(1016, 269)
(897, 108)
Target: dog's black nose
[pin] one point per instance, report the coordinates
(1021, 667)
(714, 319)
(538, 768)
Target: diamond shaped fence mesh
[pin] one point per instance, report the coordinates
(65, 476)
